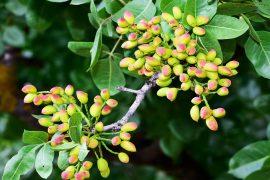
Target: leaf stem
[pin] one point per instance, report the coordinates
(108, 149)
(205, 101)
(83, 115)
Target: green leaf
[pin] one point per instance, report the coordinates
(250, 159)
(226, 27)
(13, 36)
(75, 127)
(234, 8)
(208, 42)
(80, 48)
(35, 137)
(261, 103)
(171, 146)
(62, 161)
(141, 9)
(21, 163)
(65, 146)
(96, 49)
(83, 152)
(40, 116)
(259, 53)
(259, 175)
(58, 1)
(112, 6)
(263, 7)
(16, 7)
(252, 31)
(167, 5)
(107, 74)
(228, 48)
(199, 7)
(268, 131)
(79, 2)
(44, 159)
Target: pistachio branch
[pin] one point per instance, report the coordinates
(138, 100)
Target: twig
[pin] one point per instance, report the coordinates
(124, 89)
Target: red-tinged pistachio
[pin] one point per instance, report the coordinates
(191, 71)
(219, 112)
(225, 82)
(138, 54)
(29, 89)
(156, 56)
(186, 86)
(191, 59)
(200, 73)
(148, 67)
(152, 61)
(102, 164)
(99, 127)
(211, 55)
(202, 20)
(57, 90)
(201, 63)
(87, 165)
(155, 29)
(191, 21)
(223, 91)
(180, 30)
(212, 75)
(56, 99)
(201, 56)
(73, 159)
(63, 127)
(84, 140)
(69, 90)
(79, 176)
(211, 123)
(183, 77)
(167, 17)
(95, 109)
(185, 39)
(198, 89)
(85, 174)
(177, 13)
(142, 40)
(181, 56)
(106, 110)
(63, 115)
(147, 35)
(155, 20)
(46, 98)
(161, 51)
(128, 146)
(191, 51)
(195, 113)
(212, 85)
(112, 103)
(124, 63)
(71, 109)
(163, 83)
(49, 109)
(162, 92)
(129, 44)
(232, 64)
(142, 25)
(181, 48)
(147, 48)
(93, 143)
(167, 54)
(123, 157)
(82, 97)
(58, 140)
(173, 23)
(128, 127)
(45, 122)
(196, 100)
(157, 41)
(148, 73)
(163, 78)
(234, 72)
(171, 94)
(198, 31)
(129, 17)
(173, 61)
(121, 30)
(138, 64)
(166, 70)
(124, 136)
(121, 22)
(217, 61)
(28, 98)
(225, 71)
(132, 36)
(210, 67)
(105, 174)
(205, 112)
(52, 129)
(192, 43)
(105, 94)
(116, 141)
(141, 71)
(65, 175)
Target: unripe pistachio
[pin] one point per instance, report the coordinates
(82, 97)
(84, 140)
(129, 44)
(57, 90)
(219, 112)
(234, 72)
(147, 48)
(79, 176)
(87, 165)
(183, 77)
(147, 35)
(69, 90)
(198, 31)
(45, 122)
(71, 109)
(85, 174)
(29, 88)
(166, 37)
(201, 56)
(171, 94)
(224, 82)
(186, 86)
(223, 91)
(156, 29)
(161, 51)
(46, 98)
(200, 73)
(152, 61)
(125, 136)
(38, 100)
(212, 85)
(195, 113)
(191, 71)
(177, 12)
(123, 157)
(121, 22)
(148, 67)
(63, 115)
(191, 21)
(164, 78)
(148, 73)
(181, 56)
(116, 141)
(191, 59)
(49, 109)
(167, 17)
(201, 63)
(124, 63)
(128, 146)
(210, 67)
(191, 50)
(75, 151)
(93, 143)
(63, 127)
(122, 30)
(57, 140)
(102, 164)
(232, 64)
(139, 63)
(106, 110)
(95, 109)
(192, 43)
(212, 75)
(66, 175)
(112, 103)
(28, 98)
(138, 54)
(73, 159)
(217, 61)
(142, 25)
(105, 94)
(183, 39)
(163, 83)
(211, 55)
(202, 20)
(205, 112)
(173, 61)
(198, 89)
(166, 70)
(52, 129)
(196, 100)
(105, 174)
(181, 48)
(130, 126)
(180, 30)
(173, 23)
(211, 123)
(56, 99)
(157, 41)
(162, 92)
(225, 71)
(129, 17)
(99, 127)
(156, 56)
(155, 20)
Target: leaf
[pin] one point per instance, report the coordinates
(268, 131)
(259, 175)
(79, 2)
(259, 53)
(199, 7)
(80, 48)
(261, 103)
(252, 31)
(75, 127)
(40, 116)
(58, 1)
(96, 49)
(16, 7)
(107, 74)
(208, 42)
(226, 27)
(13, 36)
(228, 48)
(35, 137)
(112, 6)
(44, 159)
(167, 5)
(263, 7)
(250, 159)
(171, 146)
(141, 9)
(234, 8)
(83, 152)
(65, 146)
(21, 163)
(62, 161)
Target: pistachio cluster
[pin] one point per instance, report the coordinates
(164, 45)
(60, 106)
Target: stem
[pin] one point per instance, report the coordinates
(102, 139)
(87, 111)
(205, 101)
(109, 133)
(82, 114)
(124, 89)
(115, 46)
(108, 149)
(96, 154)
(100, 150)
(122, 2)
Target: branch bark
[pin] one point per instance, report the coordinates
(138, 100)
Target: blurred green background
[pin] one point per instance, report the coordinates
(33, 48)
